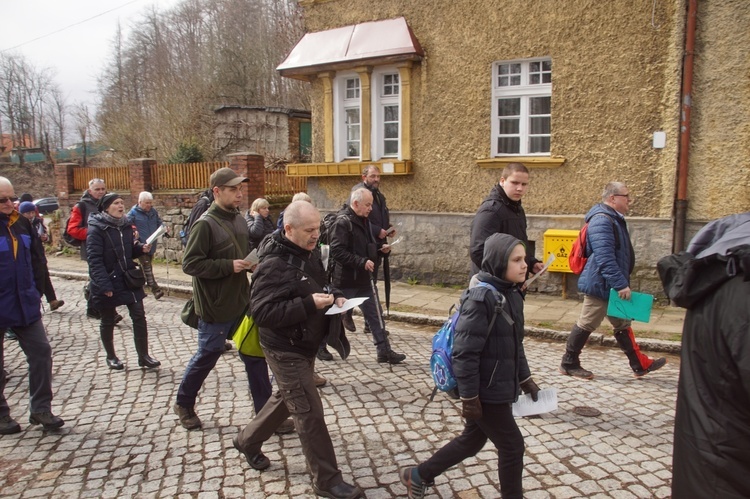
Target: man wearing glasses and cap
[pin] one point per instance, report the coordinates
(20, 269)
(214, 256)
(610, 262)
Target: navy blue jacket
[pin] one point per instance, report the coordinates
(611, 258)
(110, 249)
(20, 276)
(146, 222)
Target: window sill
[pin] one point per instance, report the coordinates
(348, 168)
(528, 161)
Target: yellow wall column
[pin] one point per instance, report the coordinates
(365, 138)
(404, 73)
(327, 79)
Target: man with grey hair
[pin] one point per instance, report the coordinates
(610, 262)
(147, 221)
(21, 263)
(289, 299)
(78, 227)
(354, 251)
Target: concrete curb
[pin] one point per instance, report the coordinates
(605, 340)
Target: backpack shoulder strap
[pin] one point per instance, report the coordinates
(614, 228)
(500, 303)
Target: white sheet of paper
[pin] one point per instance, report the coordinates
(252, 257)
(544, 269)
(525, 406)
(348, 305)
(158, 232)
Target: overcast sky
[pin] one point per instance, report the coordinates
(73, 37)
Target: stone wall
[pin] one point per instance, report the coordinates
(434, 249)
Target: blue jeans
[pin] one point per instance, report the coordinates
(211, 339)
(33, 341)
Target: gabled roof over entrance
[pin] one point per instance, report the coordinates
(377, 42)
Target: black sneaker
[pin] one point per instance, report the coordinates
(415, 487)
(48, 420)
(324, 354)
(93, 314)
(118, 318)
(256, 461)
(391, 357)
(9, 426)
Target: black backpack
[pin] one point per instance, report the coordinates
(327, 225)
(199, 208)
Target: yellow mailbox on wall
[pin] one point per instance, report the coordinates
(559, 242)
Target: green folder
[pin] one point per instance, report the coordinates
(638, 308)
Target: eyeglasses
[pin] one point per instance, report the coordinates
(622, 195)
(11, 199)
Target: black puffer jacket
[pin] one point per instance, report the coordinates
(352, 245)
(110, 249)
(491, 363)
(497, 214)
(258, 227)
(281, 298)
(712, 419)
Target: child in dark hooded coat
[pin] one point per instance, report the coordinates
(491, 371)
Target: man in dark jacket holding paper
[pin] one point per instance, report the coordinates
(610, 262)
(712, 420)
(288, 302)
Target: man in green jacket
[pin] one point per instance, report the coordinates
(214, 256)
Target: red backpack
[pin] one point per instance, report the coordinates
(578, 258)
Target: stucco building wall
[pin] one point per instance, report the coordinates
(613, 86)
(616, 79)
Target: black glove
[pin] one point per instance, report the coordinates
(472, 408)
(528, 386)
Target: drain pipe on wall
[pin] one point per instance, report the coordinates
(681, 202)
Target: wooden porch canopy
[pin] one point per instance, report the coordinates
(372, 43)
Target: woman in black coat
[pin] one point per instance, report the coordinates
(259, 223)
(110, 248)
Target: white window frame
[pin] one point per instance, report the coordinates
(524, 91)
(341, 103)
(379, 102)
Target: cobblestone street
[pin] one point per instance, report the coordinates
(121, 438)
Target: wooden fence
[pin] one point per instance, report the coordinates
(183, 176)
(279, 185)
(116, 178)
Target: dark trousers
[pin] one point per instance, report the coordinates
(49, 290)
(258, 380)
(297, 396)
(498, 425)
(148, 271)
(373, 315)
(107, 327)
(211, 339)
(33, 341)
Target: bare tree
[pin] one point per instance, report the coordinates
(162, 83)
(83, 124)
